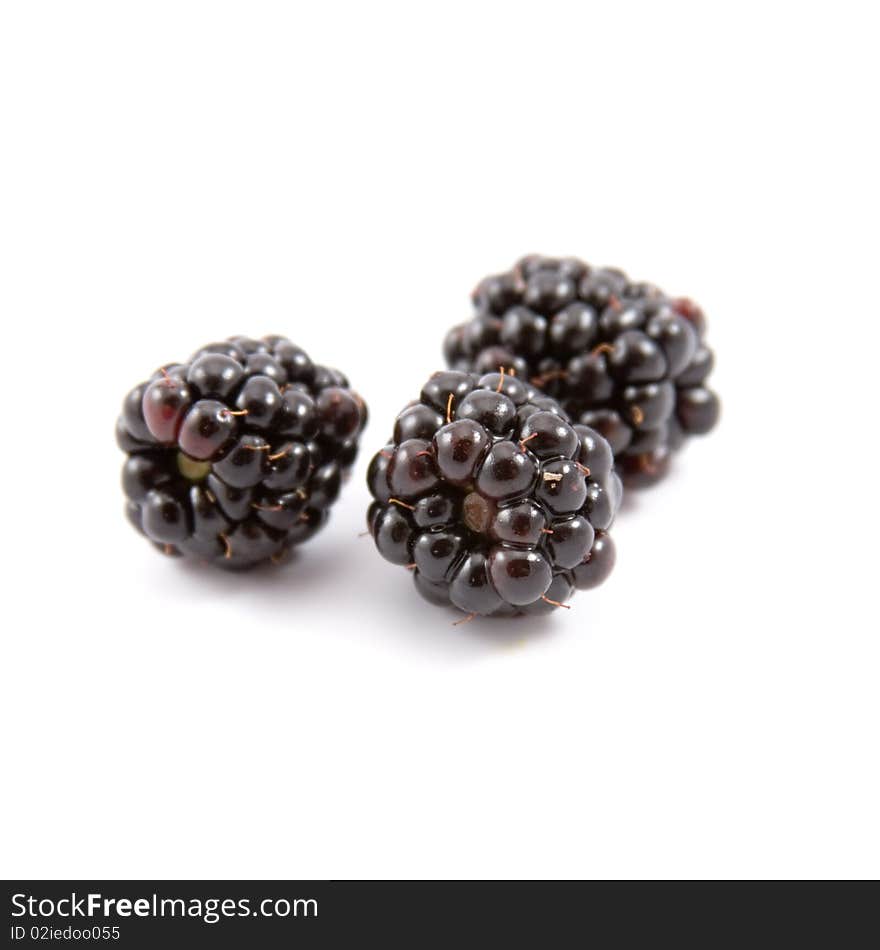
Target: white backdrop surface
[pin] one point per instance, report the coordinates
(177, 172)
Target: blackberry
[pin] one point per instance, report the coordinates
(237, 455)
(621, 357)
(492, 498)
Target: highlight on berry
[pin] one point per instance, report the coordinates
(237, 455)
(620, 356)
(492, 499)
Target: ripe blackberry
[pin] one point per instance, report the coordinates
(621, 357)
(237, 455)
(494, 501)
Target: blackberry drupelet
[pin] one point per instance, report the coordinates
(620, 357)
(494, 501)
(237, 455)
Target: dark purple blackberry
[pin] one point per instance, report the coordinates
(492, 498)
(620, 357)
(238, 454)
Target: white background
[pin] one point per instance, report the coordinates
(343, 173)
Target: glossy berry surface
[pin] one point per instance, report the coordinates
(238, 454)
(620, 357)
(491, 497)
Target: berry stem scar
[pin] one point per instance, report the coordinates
(638, 415)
